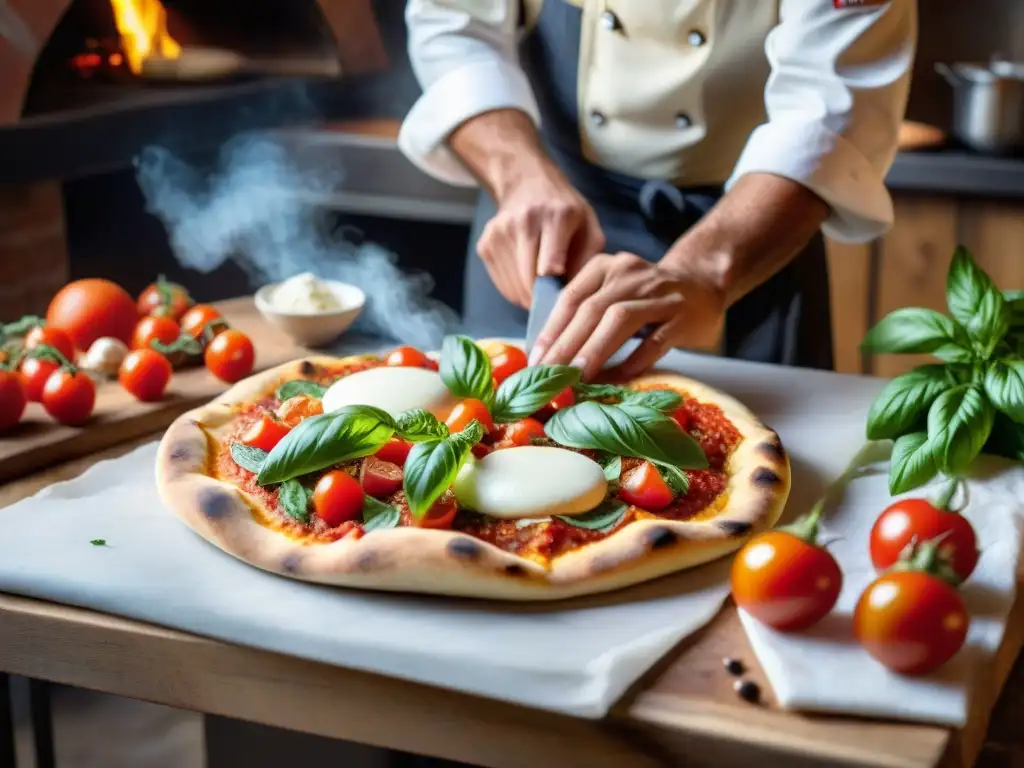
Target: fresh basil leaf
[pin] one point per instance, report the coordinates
(331, 438)
(294, 499)
(905, 401)
(1014, 308)
(466, 369)
(677, 481)
(912, 463)
(608, 514)
(913, 330)
(975, 302)
(433, 464)
(960, 352)
(248, 457)
(1007, 439)
(378, 516)
(626, 430)
(417, 425)
(959, 423)
(1004, 385)
(584, 391)
(612, 466)
(527, 391)
(663, 400)
(297, 387)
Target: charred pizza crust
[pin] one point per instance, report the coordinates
(411, 559)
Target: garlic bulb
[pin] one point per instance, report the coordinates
(105, 356)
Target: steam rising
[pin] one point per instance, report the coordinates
(251, 210)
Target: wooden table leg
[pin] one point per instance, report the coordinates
(7, 756)
(42, 722)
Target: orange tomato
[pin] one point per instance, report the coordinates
(409, 357)
(465, 412)
(295, 409)
(150, 329)
(195, 320)
(164, 299)
(265, 433)
(89, 309)
(145, 373)
(521, 432)
(230, 356)
(505, 360)
(338, 498)
(644, 487)
(52, 337)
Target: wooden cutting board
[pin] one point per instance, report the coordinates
(39, 442)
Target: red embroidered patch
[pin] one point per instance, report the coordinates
(856, 3)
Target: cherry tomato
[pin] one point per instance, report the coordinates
(12, 399)
(69, 396)
(441, 514)
(505, 360)
(195, 320)
(482, 449)
(34, 373)
(265, 433)
(784, 580)
(644, 487)
(395, 451)
(150, 329)
(145, 373)
(683, 418)
(164, 299)
(910, 621)
(230, 356)
(51, 337)
(379, 478)
(467, 410)
(521, 432)
(338, 498)
(409, 357)
(563, 399)
(89, 309)
(908, 519)
(295, 409)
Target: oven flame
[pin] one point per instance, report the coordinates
(142, 25)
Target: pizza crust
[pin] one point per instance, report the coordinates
(409, 559)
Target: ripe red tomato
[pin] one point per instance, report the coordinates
(52, 337)
(644, 487)
(89, 309)
(395, 451)
(467, 410)
(34, 373)
(145, 373)
(230, 356)
(482, 449)
(69, 396)
(150, 329)
(409, 357)
(563, 399)
(338, 498)
(908, 519)
(164, 299)
(441, 514)
(910, 621)
(12, 399)
(295, 409)
(505, 360)
(379, 478)
(682, 417)
(784, 580)
(265, 433)
(521, 432)
(195, 320)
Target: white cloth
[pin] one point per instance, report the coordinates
(823, 669)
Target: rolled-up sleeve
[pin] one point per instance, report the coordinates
(464, 55)
(835, 98)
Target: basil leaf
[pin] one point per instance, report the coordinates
(956, 353)
(1004, 385)
(959, 423)
(417, 425)
(527, 391)
(378, 516)
(1014, 301)
(297, 387)
(600, 392)
(294, 499)
(913, 330)
(608, 514)
(905, 401)
(612, 466)
(248, 457)
(331, 438)
(677, 481)
(466, 369)
(1007, 439)
(975, 301)
(912, 463)
(626, 430)
(433, 464)
(663, 400)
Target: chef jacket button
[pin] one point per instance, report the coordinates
(598, 118)
(611, 21)
(696, 38)
(683, 121)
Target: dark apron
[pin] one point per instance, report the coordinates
(786, 320)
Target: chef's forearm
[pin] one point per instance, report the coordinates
(757, 228)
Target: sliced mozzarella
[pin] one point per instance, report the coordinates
(392, 389)
(531, 481)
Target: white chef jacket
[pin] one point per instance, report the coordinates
(695, 92)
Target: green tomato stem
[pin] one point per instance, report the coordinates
(806, 527)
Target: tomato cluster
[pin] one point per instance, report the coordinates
(911, 618)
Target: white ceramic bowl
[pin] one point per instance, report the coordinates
(314, 329)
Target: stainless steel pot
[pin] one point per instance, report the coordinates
(988, 105)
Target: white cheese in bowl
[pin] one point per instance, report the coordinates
(304, 294)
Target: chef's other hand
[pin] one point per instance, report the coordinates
(543, 227)
(613, 297)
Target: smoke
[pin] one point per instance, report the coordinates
(255, 210)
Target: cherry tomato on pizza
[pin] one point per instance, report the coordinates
(441, 515)
(379, 478)
(562, 400)
(43, 335)
(12, 399)
(466, 411)
(154, 328)
(295, 409)
(164, 299)
(145, 374)
(34, 372)
(195, 320)
(644, 487)
(69, 396)
(265, 433)
(522, 432)
(409, 357)
(338, 498)
(230, 356)
(784, 579)
(395, 451)
(505, 360)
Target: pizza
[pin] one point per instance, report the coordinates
(471, 474)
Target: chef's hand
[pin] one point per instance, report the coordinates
(613, 297)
